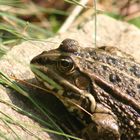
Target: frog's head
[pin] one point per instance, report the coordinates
(59, 71)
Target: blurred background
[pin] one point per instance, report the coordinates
(39, 19)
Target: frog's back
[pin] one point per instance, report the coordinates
(116, 80)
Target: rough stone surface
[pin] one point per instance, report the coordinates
(16, 64)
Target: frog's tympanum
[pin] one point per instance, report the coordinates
(100, 87)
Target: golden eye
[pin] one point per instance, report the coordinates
(65, 65)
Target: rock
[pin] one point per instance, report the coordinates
(16, 64)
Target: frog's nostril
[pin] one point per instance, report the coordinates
(33, 61)
(38, 60)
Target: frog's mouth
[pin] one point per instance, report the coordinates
(51, 83)
(41, 74)
(56, 84)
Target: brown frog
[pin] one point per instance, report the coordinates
(99, 86)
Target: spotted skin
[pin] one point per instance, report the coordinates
(100, 87)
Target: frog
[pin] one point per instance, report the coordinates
(98, 86)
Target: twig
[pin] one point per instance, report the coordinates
(95, 21)
(72, 16)
(132, 16)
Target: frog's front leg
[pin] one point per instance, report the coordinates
(103, 127)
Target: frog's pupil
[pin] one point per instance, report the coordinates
(65, 63)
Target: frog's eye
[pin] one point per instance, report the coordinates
(65, 65)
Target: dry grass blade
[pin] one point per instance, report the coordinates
(72, 16)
